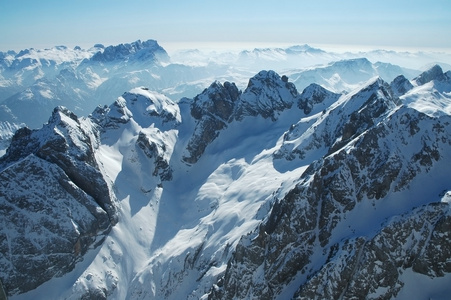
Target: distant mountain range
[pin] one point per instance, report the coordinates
(33, 82)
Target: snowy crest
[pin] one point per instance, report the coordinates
(381, 159)
(64, 133)
(315, 94)
(400, 85)
(267, 95)
(432, 93)
(434, 73)
(145, 107)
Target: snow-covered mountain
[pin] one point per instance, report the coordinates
(33, 82)
(41, 80)
(261, 193)
(346, 75)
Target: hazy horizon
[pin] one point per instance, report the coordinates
(414, 25)
(219, 47)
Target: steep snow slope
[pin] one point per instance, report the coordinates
(284, 192)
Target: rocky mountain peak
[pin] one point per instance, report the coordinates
(372, 103)
(213, 109)
(434, 73)
(218, 100)
(143, 106)
(348, 117)
(148, 107)
(148, 50)
(385, 151)
(61, 115)
(74, 205)
(400, 85)
(315, 94)
(267, 94)
(26, 141)
(349, 201)
(69, 144)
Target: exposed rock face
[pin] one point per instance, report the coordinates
(157, 151)
(338, 125)
(434, 73)
(69, 144)
(378, 100)
(140, 51)
(315, 94)
(143, 106)
(148, 115)
(372, 268)
(212, 109)
(400, 85)
(314, 241)
(45, 230)
(55, 201)
(266, 95)
(218, 100)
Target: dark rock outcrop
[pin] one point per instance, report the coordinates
(338, 125)
(54, 199)
(213, 110)
(156, 152)
(315, 94)
(266, 95)
(400, 85)
(361, 267)
(434, 73)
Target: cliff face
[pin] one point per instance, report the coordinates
(54, 200)
(266, 95)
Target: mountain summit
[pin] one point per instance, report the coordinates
(139, 51)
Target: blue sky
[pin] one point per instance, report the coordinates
(397, 24)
